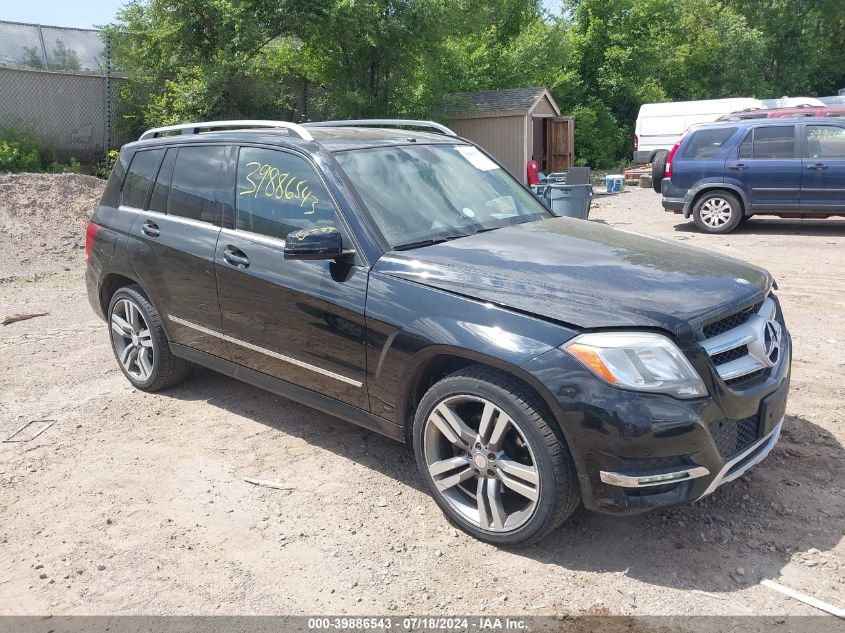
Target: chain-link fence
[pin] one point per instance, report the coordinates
(58, 90)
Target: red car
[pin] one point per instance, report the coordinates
(777, 113)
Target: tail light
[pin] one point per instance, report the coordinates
(90, 236)
(671, 156)
(636, 142)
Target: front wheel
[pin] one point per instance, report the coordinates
(717, 212)
(492, 460)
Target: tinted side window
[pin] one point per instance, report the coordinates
(825, 141)
(197, 190)
(745, 147)
(138, 179)
(161, 190)
(774, 142)
(278, 192)
(707, 143)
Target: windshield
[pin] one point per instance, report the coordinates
(418, 195)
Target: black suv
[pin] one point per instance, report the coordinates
(404, 281)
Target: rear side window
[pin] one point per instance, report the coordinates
(825, 141)
(161, 190)
(197, 188)
(706, 143)
(279, 192)
(770, 143)
(139, 177)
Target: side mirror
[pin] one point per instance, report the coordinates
(321, 243)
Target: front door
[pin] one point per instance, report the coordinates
(560, 143)
(301, 321)
(768, 168)
(174, 238)
(823, 182)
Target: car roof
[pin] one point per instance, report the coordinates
(745, 123)
(332, 139)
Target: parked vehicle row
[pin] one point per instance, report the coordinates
(723, 173)
(406, 282)
(660, 125)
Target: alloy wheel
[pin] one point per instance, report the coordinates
(481, 463)
(716, 212)
(132, 340)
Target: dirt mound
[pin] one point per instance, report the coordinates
(43, 219)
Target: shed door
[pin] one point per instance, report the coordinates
(561, 143)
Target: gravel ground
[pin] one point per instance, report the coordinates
(135, 503)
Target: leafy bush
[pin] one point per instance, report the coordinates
(16, 156)
(105, 165)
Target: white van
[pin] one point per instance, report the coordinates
(660, 125)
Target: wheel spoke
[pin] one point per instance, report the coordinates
(526, 490)
(145, 362)
(493, 493)
(519, 471)
(134, 316)
(454, 480)
(447, 465)
(499, 430)
(452, 426)
(132, 359)
(124, 356)
(121, 326)
(486, 419)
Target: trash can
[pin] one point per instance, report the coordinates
(572, 201)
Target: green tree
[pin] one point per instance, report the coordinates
(209, 59)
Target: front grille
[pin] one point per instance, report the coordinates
(731, 354)
(734, 436)
(728, 323)
(747, 378)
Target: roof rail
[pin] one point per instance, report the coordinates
(193, 128)
(384, 123)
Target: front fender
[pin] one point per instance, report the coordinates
(409, 324)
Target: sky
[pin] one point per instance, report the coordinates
(76, 13)
(89, 13)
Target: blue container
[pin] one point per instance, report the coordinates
(615, 183)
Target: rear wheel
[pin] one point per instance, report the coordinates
(658, 171)
(491, 460)
(140, 344)
(717, 212)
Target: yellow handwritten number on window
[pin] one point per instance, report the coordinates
(279, 185)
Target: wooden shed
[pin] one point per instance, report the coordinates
(513, 125)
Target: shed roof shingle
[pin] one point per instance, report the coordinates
(492, 100)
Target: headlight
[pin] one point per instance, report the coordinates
(644, 361)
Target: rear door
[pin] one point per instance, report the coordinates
(767, 166)
(823, 181)
(174, 238)
(300, 321)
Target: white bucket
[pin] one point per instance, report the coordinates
(615, 183)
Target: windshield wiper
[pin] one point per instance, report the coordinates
(429, 242)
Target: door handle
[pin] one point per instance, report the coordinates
(150, 228)
(235, 257)
(817, 166)
(737, 166)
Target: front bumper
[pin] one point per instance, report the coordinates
(636, 452)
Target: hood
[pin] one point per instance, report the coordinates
(585, 274)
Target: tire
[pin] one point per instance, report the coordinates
(130, 316)
(658, 171)
(717, 212)
(518, 447)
